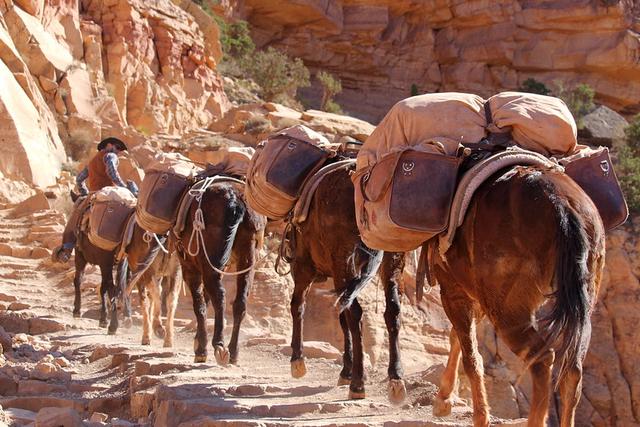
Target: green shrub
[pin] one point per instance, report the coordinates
(414, 90)
(532, 85)
(628, 170)
(276, 73)
(579, 100)
(632, 132)
(235, 39)
(257, 125)
(331, 86)
(333, 107)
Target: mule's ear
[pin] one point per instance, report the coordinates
(73, 195)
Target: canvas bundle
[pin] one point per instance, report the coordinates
(111, 207)
(164, 185)
(407, 170)
(281, 166)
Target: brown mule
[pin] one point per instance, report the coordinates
(328, 244)
(157, 284)
(231, 230)
(529, 256)
(87, 253)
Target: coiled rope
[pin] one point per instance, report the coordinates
(196, 241)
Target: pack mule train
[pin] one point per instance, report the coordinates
(525, 243)
(209, 225)
(297, 174)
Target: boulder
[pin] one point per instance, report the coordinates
(602, 126)
(5, 340)
(55, 417)
(35, 203)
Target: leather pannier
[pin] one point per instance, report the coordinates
(592, 170)
(405, 198)
(162, 189)
(281, 166)
(108, 216)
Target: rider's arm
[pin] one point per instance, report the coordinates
(80, 182)
(111, 164)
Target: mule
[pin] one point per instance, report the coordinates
(529, 256)
(156, 278)
(88, 253)
(328, 244)
(231, 232)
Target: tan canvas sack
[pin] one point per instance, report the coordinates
(232, 160)
(451, 118)
(111, 207)
(405, 198)
(164, 184)
(538, 123)
(281, 166)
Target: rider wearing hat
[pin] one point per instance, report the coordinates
(100, 172)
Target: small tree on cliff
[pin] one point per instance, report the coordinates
(331, 86)
(276, 73)
(629, 165)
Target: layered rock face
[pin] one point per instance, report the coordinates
(76, 71)
(380, 48)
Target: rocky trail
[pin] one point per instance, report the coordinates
(58, 370)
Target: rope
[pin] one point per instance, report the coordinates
(155, 236)
(197, 235)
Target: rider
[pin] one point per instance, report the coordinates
(100, 172)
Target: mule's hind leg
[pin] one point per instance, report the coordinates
(246, 259)
(347, 356)
(463, 313)
(104, 289)
(449, 381)
(112, 290)
(215, 290)
(144, 307)
(390, 274)
(354, 316)
(303, 274)
(193, 279)
(171, 302)
(81, 264)
(154, 291)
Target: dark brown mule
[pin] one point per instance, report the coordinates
(529, 256)
(328, 244)
(157, 284)
(87, 253)
(232, 232)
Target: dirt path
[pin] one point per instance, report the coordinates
(59, 361)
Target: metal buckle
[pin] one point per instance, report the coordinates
(606, 168)
(291, 146)
(407, 167)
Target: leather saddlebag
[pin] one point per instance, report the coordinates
(110, 210)
(161, 191)
(405, 198)
(281, 166)
(592, 170)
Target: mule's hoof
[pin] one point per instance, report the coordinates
(397, 391)
(146, 341)
(442, 407)
(159, 332)
(343, 381)
(200, 358)
(103, 324)
(77, 315)
(298, 368)
(127, 323)
(360, 394)
(222, 355)
(168, 344)
(112, 331)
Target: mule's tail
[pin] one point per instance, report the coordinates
(121, 275)
(365, 263)
(139, 269)
(568, 324)
(234, 214)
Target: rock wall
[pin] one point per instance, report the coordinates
(380, 48)
(77, 70)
